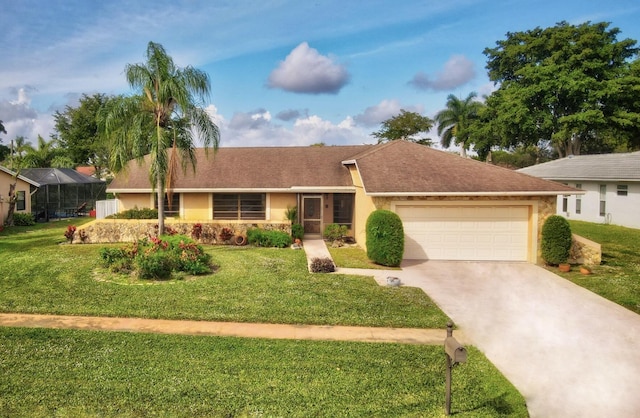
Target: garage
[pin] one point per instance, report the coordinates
(491, 233)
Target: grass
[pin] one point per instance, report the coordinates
(618, 278)
(68, 373)
(41, 275)
(354, 257)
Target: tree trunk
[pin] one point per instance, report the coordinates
(160, 193)
(12, 203)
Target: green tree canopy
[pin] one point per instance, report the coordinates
(166, 115)
(46, 154)
(454, 121)
(79, 135)
(406, 125)
(562, 84)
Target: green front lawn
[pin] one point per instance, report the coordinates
(38, 274)
(618, 278)
(67, 373)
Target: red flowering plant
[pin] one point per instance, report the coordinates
(70, 233)
(196, 231)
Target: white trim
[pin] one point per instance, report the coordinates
(294, 189)
(20, 177)
(479, 194)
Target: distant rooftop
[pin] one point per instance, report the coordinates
(57, 176)
(615, 167)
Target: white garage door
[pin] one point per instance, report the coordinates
(465, 232)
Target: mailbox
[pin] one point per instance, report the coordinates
(455, 350)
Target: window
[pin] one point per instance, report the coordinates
(343, 209)
(565, 203)
(578, 200)
(249, 206)
(603, 202)
(21, 203)
(171, 209)
(623, 189)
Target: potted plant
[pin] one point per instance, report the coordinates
(586, 270)
(564, 267)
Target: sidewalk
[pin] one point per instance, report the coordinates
(230, 329)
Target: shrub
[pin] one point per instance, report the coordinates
(556, 240)
(155, 265)
(333, 232)
(111, 255)
(190, 257)
(385, 238)
(196, 231)
(135, 213)
(297, 231)
(264, 238)
(70, 233)
(23, 219)
(225, 234)
(291, 214)
(322, 265)
(157, 258)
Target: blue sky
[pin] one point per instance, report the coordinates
(283, 72)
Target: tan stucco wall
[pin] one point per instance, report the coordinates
(131, 200)
(21, 185)
(278, 204)
(196, 206)
(364, 205)
(199, 206)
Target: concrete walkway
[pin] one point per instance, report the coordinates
(230, 329)
(315, 248)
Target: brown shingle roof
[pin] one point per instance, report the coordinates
(409, 168)
(399, 167)
(255, 168)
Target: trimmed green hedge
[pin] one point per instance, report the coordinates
(385, 238)
(556, 240)
(266, 238)
(135, 213)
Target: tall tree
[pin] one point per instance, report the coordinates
(407, 126)
(454, 121)
(46, 154)
(165, 116)
(558, 84)
(4, 150)
(16, 163)
(79, 135)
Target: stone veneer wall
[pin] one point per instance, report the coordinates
(546, 206)
(121, 230)
(584, 251)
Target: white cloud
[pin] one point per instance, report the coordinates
(375, 115)
(20, 119)
(457, 71)
(306, 71)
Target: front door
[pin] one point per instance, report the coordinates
(312, 214)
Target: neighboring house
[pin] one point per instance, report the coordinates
(452, 208)
(24, 188)
(63, 192)
(611, 183)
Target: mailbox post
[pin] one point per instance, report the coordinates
(455, 353)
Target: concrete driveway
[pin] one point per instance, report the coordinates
(570, 352)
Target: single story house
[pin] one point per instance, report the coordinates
(452, 208)
(24, 189)
(611, 183)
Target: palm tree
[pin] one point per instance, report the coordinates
(47, 154)
(453, 122)
(165, 115)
